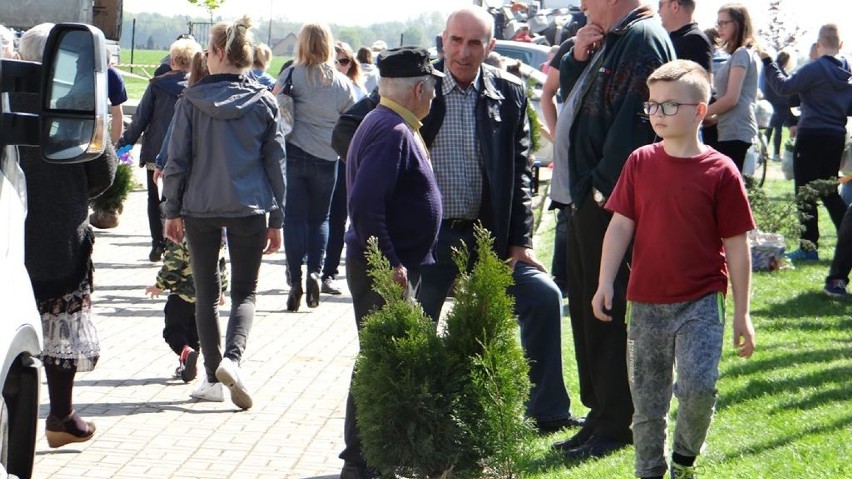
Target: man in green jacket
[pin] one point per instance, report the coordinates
(601, 123)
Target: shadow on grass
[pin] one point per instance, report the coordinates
(782, 360)
(763, 387)
(761, 447)
(842, 393)
(553, 461)
(810, 304)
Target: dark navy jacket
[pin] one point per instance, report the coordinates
(154, 114)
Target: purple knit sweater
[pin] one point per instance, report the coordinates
(393, 194)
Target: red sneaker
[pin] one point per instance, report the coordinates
(188, 363)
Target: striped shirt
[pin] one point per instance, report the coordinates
(456, 156)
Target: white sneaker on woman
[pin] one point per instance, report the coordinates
(229, 373)
(208, 392)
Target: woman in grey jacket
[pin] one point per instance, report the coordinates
(320, 94)
(226, 170)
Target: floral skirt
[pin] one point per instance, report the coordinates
(70, 336)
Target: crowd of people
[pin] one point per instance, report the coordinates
(415, 153)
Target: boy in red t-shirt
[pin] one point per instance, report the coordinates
(684, 206)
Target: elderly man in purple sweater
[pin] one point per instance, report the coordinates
(393, 196)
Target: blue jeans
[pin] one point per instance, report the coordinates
(538, 304)
(310, 184)
(336, 224)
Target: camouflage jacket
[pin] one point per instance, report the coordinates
(176, 273)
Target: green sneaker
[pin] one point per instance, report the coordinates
(682, 472)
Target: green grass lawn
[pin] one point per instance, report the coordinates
(136, 86)
(784, 413)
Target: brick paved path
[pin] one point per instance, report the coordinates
(297, 365)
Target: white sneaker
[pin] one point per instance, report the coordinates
(208, 392)
(229, 373)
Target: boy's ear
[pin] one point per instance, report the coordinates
(701, 109)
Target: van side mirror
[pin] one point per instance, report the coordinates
(74, 94)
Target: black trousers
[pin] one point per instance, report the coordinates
(841, 265)
(600, 347)
(364, 300)
(180, 329)
(246, 240)
(734, 149)
(817, 157)
(155, 215)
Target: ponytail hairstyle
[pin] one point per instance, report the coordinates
(198, 70)
(236, 40)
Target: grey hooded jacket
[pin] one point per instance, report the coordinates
(226, 152)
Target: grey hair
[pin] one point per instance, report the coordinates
(7, 40)
(398, 88)
(31, 46)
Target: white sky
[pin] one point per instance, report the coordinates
(341, 12)
(810, 13)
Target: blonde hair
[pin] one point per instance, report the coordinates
(235, 40)
(182, 51)
(687, 73)
(354, 71)
(829, 36)
(745, 31)
(262, 56)
(315, 51)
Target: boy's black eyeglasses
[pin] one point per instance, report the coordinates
(669, 108)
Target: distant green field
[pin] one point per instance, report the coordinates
(151, 58)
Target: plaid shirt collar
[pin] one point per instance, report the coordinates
(449, 83)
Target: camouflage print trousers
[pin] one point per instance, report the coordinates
(661, 338)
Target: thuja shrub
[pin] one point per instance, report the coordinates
(450, 406)
(490, 369)
(405, 407)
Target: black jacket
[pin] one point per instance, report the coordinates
(58, 237)
(502, 128)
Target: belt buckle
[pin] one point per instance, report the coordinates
(457, 224)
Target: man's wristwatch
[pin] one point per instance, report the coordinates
(599, 197)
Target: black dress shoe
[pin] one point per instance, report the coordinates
(312, 285)
(574, 441)
(547, 427)
(594, 448)
(294, 299)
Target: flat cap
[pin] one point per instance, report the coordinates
(406, 62)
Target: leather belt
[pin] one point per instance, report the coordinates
(457, 224)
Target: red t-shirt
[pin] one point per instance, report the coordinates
(682, 208)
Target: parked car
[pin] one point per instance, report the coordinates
(72, 134)
(529, 53)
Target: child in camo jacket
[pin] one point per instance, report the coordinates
(180, 330)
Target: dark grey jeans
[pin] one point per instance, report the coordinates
(662, 337)
(246, 240)
(364, 300)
